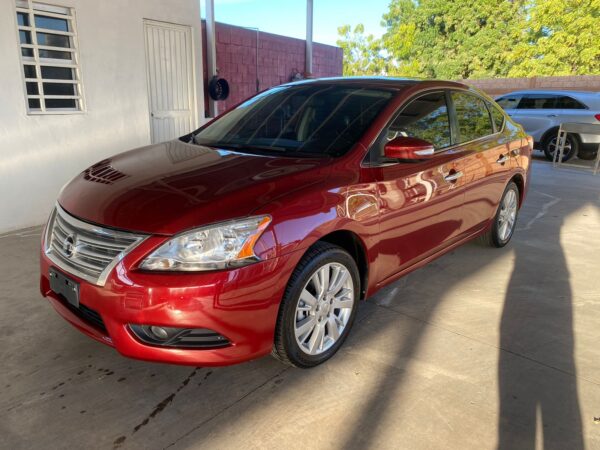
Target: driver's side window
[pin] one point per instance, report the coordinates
(425, 117)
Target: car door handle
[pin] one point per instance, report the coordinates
(502, 159)
(453, 176)
(551, 115)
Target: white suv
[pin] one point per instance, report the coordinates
(541, 113)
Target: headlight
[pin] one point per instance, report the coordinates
(229, 244)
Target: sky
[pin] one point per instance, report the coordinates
(288, 17)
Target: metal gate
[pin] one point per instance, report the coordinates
(170, 70)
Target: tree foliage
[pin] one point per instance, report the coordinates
(362, 54)
(476, 39)
(561, 39)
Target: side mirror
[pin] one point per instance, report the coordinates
(408, 148)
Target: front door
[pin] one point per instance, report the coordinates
(420, 201)
(169, 63)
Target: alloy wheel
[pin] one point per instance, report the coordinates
(508, 215)
(552, 147)
(324, 308)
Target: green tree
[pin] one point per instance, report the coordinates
(482, 38)
(362, 54)
(453, 39)
(561, 38)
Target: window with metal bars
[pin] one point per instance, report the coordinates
(48, 44)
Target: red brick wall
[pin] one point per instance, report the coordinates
(278, 57)
(497, 86)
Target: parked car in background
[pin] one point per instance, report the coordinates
(260, 232)
(541, 113)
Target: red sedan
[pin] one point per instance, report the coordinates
(261, 231)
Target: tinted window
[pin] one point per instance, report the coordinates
(472, 117)
(313, 119)
(425, 118)
(57, 73)
(509, 102)
(23, 19)
(51, 23)
(538, 101)
(569, 103)
(53, 40)
(497, 116)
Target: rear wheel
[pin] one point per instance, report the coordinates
(505, 219)
(571, 146)
(318, 307)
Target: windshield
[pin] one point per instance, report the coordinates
(307, 119)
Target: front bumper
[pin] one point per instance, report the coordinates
(240, 304)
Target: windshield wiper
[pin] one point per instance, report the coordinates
(234, 146)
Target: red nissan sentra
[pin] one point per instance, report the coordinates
(261, 231)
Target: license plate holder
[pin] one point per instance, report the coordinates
(64, 286)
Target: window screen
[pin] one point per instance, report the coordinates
(49, 58)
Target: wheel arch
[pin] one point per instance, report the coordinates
(553, 132)
(353, 244)
(520, 182)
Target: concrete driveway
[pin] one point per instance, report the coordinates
(481, 349)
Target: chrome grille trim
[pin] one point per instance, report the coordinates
(92, 251)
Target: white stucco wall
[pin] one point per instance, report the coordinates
(39, 154)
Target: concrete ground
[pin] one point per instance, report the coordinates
(482, 349)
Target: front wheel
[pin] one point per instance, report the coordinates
(503, 226)
(318, 307)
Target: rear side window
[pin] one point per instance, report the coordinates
(497, 116)
(425, 118)
(472, 117)
(538, 101)
(565, 102)
(508, 102)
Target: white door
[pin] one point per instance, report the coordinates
(170, 66)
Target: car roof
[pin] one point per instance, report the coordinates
(381, 81)
(552, 92)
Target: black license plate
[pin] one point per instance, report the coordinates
(65, 286)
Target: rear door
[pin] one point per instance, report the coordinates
(420, 201)
(487, 159)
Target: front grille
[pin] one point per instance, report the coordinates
(85, 250)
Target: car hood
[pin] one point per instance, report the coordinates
(174, 186)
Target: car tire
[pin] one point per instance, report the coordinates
(506, 215)
(296, 343)
(571, 146)
(587, 155)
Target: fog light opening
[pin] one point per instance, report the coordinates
(179, 337)
(159, 333)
